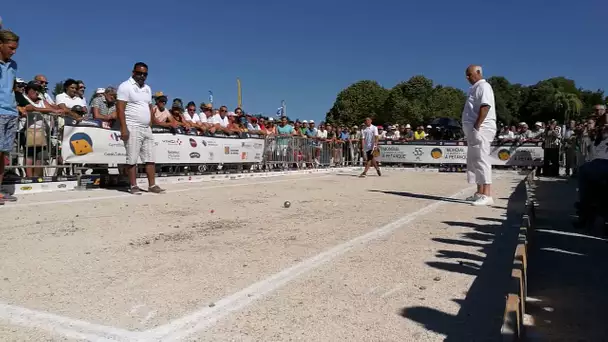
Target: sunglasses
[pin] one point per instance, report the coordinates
(141, 73)
(223, 111)
(82, 88)
(43, 82)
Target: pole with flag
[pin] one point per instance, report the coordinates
(281, 110)
(210, 97)
(239, 93)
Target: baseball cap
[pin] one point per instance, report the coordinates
(538, 124)
(305, 121)
(311, 121)
(408, 126)
(100, 90)
(20, 80)
(271, 119)
(429, 126)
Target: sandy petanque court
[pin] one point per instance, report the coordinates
(225, 261)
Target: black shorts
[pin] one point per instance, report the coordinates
(369, 155)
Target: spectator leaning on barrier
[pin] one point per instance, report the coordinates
(253, 126)
(270, 127)
(381, 132)
(177, 113)
(134, 109)
(393, 133)
(70, 98)
(104, 107)
(44, 83)
(36, 133)
(311, 131)
(408, 134)
(419, 134)
(9, 116)
(479, 125)
(81, 89)
(162, 116)
(191, 115)
(538, 131)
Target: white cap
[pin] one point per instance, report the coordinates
(311, 121)
(100, 90)
(408, 126)
(19, 80)
(538, 124)
(429, 126)
(304, 121)
(270, 119)
(523, 124)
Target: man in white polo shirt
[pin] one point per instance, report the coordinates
(134, 111)
(479, 125)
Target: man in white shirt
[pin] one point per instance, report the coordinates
(369, 142)
(70, 98)
(479, 125)
(134, 111)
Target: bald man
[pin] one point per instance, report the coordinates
(479, 125)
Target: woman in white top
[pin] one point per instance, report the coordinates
(37, 129)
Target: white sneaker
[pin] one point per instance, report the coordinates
(473, 198)
(483, 200)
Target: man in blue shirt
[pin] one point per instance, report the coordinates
(9, 42)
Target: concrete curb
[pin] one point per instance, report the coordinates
(513, 328)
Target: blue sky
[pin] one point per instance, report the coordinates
(305, 52)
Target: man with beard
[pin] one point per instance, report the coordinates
(134, 111)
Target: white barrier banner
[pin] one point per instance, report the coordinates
(94, 145)
(509, 155)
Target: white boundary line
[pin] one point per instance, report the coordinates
(126, 195)
(69, 327)
(205, 317)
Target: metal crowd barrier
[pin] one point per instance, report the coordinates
(284, 152)
(37, 147)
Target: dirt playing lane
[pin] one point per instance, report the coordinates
(137, 263)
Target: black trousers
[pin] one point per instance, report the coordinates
(551, 162)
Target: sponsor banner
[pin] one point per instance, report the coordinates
(95, 145)
(460, 143)
(453, 153)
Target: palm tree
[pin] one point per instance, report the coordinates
(567, 104)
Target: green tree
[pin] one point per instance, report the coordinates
(58, 89)
(508, 99)
(589, 99)
(409, 101)
(356, 102)
(568, 105)
(446, 102)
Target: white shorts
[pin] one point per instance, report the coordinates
(140, 145)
